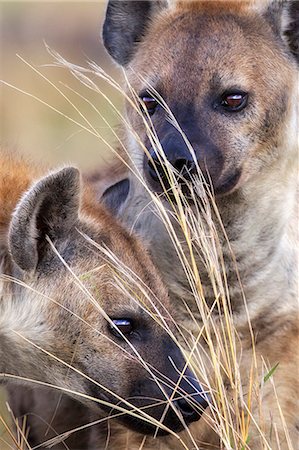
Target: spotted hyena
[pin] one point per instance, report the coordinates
(73, 318)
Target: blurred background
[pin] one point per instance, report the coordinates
(27, 122)
(73, 29)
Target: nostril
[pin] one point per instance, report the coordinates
(186, 408)
(157, 169)
(183, 166)
(193, 407)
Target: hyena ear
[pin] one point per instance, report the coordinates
(291, 30)
(283, 16)
(115, 196)
(125, 25)
(49, 208)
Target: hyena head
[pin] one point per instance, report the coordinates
(100, 325)
(227, 71)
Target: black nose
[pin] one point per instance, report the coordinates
(190, 399)
(177, 154)
(190, 409)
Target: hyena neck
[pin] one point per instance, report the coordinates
(258, 222)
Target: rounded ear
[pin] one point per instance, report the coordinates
(291, 30)
(283, 16)
(50, 208)
(125, 25)
(115, 196)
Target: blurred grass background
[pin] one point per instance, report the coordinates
(74, 30)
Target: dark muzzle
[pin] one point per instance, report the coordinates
(180, 162)
(175, 398)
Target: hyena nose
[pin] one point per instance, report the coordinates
(191, 400)
(187, 410)
(178, 155)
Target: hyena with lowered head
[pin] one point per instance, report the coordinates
(72, 318)
(228, 73)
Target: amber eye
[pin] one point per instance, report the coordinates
(234, 101)
(149, 102)
(121, 326)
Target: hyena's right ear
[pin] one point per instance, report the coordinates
(292, 28)
(50, 208)
(283, 15)
(125, 25)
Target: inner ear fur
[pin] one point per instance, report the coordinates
(283, 16)
(49, 208)
(125, 24)
(291, 28)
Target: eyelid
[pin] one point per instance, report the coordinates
(229, 92)
(147, 95)
(118, 323)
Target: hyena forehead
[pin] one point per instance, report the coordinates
(129, 26)
(221, 50)
(110, 263)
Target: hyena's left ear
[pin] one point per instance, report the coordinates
(49, 208)
(283, 15)
(125, 25)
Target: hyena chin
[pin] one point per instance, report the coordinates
(228, 73)
(72, 317)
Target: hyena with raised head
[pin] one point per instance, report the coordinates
(227, 71)
(72, 319)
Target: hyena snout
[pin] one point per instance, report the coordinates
(190, 400)
(171, 395)
(178, 155)
(188, 160)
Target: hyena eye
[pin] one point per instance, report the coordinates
(121, 326)
(149, 102)
(234, 101)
